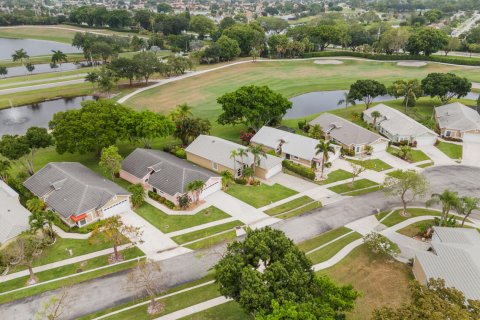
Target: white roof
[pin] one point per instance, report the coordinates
(218, 150)
(456, 259)
(294, 144)
(457, 116)
(398, 123)
(13, 216)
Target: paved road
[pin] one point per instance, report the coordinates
(110, 290)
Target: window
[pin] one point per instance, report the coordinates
(214, 166)
(448, 133)
(295, 158)
(358, 148)
(82, 222)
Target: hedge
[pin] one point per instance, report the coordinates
(155, 196)
(299, 169)
(394, 57)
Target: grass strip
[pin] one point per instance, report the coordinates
(396, 216)
(372, 164)
(226, 311)
(262, 195)
(349, 187)
(188, 237)
(322, 239)
(452, 150)
(208, 242)
(309, 207)
(289, 205)
(332, 249)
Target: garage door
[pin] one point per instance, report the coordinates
(428, 140)
(471, 137)
(118, 208)
(274, 171)
(211, 189)
(379, 147)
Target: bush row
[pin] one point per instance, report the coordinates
(162, 200)
(83, 230)
(299, 169)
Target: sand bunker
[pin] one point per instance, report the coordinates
(411, 64)
(328, 62)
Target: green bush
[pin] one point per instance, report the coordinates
(180, 153)
(299, 169)
(83, 230)
(241, 181)
(162, 200)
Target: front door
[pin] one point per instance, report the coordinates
(287, 156)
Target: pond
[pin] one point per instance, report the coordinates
(33, 47)
(18, 119)
(316, 102)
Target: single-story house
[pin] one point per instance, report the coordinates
(454, 257)
(77, 194)
(166, 175)
(13, 216)
(214, 154)
(456, 120)
(349, 135)
(291, 146)
(399, 127)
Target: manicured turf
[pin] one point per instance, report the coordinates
(425, 165)
(348, 187)
(227, 311)
(45, 77)
(396, 216)
(289, 205)
(169, 223)
(334, 176)
(309, 207)
(381, 282)
(208, 242)
(364, 191)
(414, 229)
(452, 150)
(416, 156)
(259, 196)
(372, 164)
(332, 249)
(58, 272)
(322, 239)
(192, 236)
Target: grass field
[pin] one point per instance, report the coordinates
(323, 238)
(396, 216)
(348, 187)
(452, 150)
(259, 196)
(372, 164)
(333, 248)
(382, 283)
(334, 176)
(416, 156)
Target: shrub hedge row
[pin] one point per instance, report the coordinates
(299, 169)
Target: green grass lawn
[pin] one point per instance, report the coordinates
(227, 311)
(169, 223)
(208, 242)
(322, 239)
(396, 216)
(349, 188)
(336, 175)
(425, 165)
(417, 155)
(309, 207)
(332, 249)
(452, 150)
(262, 195)
(414, 229)
(372, 164)
(289, 205)
(192, 236)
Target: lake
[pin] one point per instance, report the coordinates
(316, 102)
(33, 47)
(17, 120)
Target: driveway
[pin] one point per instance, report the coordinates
(471, 154)
(437, 156)
(292, 182)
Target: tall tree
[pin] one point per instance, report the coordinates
(427, 40)
(20, 55)
(445, 86)
(196, 187)
(24, 251)
(347, 100)
(147, 63)
(125, 68)
(406, 184)
(3, 71)
(366, 90)
(324, 147)
(253, 106)
(411, 90)
(202, 25)
(111, 161)
(138, 194)
(58, 57)
(448, 199)
(188, 129)
(375, 115)
(146, 126)
(465, 206)
(258, 153)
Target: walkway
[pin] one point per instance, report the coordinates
(199, 227)
(71, 235)
(195, 308)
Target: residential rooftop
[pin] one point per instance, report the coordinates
(457, 116)
(13, 216)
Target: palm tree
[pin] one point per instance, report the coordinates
(448, 199)
(182, 111)
(35, 205)
(242, 152)
(257, 152)
(58, 57)
(466, 205)
(195, 187)
(42, 220)
(20, 55)
(375, 114)
(227, 177)
(234, 155)
(410, 90)
(347, 100)
(324, 147)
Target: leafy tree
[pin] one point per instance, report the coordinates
(315, 131)
(202, 25)
(228, 49)
(114, 231)
(30, 67)
(253, 106)
(179, 64)
(184, 201)
(92, 77)
(24, 251)
(431, 302)
(145, 126)
(357, 170)
(448, 199)
(147, 63)
(111, 161)
(366, 90)
(407, 184)
(138, 43)
(273, 24)
(445, 86)
(188, 129)
(147, 277)
(107, 80)
(195, 187)
(268, 266)
(254, 53)
(410, 90)
(394, 40)
(20, 55)
(5, 166)
(227, 177)
(58, 57)
(182, 111)
(453, 44)
(42, 220)
(125, 68)
(35, 204)
(433, 15)
(56, 308)
(381, 245)
(465, 206)
(288, 311)
(89, 129)
(405, 152)
(347, 100)
(324, 147)
(3, 71)
(427, 40)
(138, 194)
(246, 35)
(164, 8)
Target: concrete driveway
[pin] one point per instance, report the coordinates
(292, 182)
(471, 154)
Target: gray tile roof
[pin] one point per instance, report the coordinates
(218, 150)
(13, 216)
(71, 188)
(457, 116)
(344, 131)
(171, 175)
(456, 259)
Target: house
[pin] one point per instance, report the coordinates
(214, 154)
(13, 216)
(456, 120)
(349, 135)
(291, 146)
(455, 257)
(166, 175)
(77, 194)
(399, 127)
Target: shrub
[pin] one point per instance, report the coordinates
(347, 152)
(246, 137)
(83, 230)
(180, 153)
(241, 181)
(138, 194)
(162, 200)
(381, 245)
(184, 201)
(299, 169)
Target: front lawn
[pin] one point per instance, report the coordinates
(333, 248)
(348, 187)
(195, 235)
(372, 164)
(169, 223)
(396, 216)
(452, 150)
(416, 155)
(227, 311)
(320, 240)
(295, 203)
(381, 282)
(415, 228)
(262, 195)
(334, 176)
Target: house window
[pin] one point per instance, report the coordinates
(358, 149)
(214, 166)
(448, 133)
(295, 158)
(82, 222)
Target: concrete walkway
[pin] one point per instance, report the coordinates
(195, 308)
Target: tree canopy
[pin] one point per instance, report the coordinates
(445, 86)
(366, 90)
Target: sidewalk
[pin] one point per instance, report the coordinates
(71, 235)
(194, 309)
